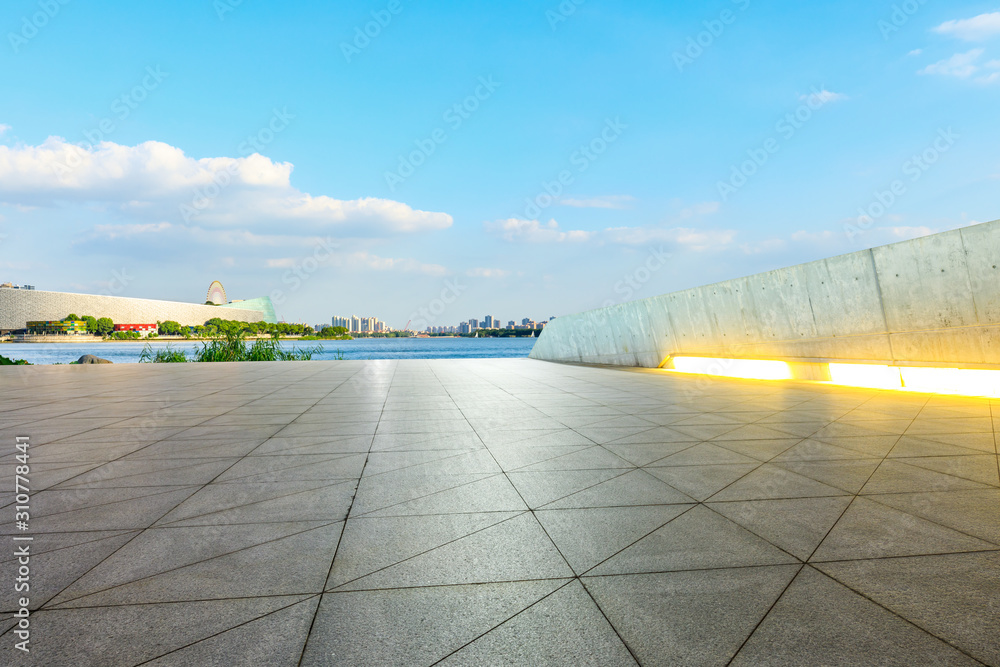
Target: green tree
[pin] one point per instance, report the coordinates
(91, 323)
(71, 316)
(170, 328)
(104, 326)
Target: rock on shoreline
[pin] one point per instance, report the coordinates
(91, 359)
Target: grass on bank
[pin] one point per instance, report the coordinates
(4, 361)
(229, 345)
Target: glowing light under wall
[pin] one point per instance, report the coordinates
(960, 381)
(755, 369)
(866, 375)
(965, 381)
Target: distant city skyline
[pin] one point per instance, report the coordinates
(355, 324)
(488, 322)
(539, 157)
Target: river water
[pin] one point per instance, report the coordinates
(122, 352)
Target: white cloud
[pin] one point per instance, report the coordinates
(694, 239)
(609, 201)
(362, 260)
(812, 237)
(905, 233)
(487, 273)
(4, 129)
(704, 208)
(112, 232)
(405, 265)
(532, 231)
(915, 52)
(976, 29)
(154, 180)
(818, 98)
(961, 65)
(760, 247)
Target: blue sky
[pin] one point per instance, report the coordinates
(523, 160)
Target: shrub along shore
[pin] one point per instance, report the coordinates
(230, 345)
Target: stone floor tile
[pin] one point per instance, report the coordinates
(843, 629)
(585, 537)
(564, 629)
(953, 597)
(796, 525)
(636, 487)
(871, 530)
(513, 550)
(696, 540)
(413, 626)
(689, 618)
(701, 482)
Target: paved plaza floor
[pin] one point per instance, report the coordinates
(485, 512)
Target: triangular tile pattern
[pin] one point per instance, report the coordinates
(274, 639)
(586, 537)
(484, 510)
(406, 626)
(514, 549)
(696, 540)
(565, 628)
(872, 530)
(818, 621)
(952, 597)
(795, 525)
(689, 618)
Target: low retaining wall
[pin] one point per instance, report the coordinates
(933, 300)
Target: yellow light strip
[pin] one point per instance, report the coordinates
(964, 381)
(754, 369)
(958, 381)
(866, 375)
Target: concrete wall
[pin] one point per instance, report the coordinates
(933, 300)
(17, 307)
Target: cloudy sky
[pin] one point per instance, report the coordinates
(520, 159)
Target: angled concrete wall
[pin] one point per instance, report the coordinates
(933, 300)
(17, 307)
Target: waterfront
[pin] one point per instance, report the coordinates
(126, 352)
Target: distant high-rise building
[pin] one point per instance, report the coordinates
(473, 325)
(511, 324)
(488, 322)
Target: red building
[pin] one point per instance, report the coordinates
(144, 329)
